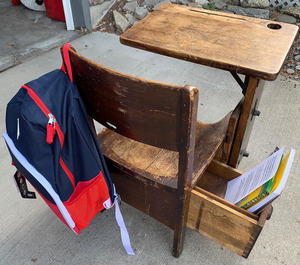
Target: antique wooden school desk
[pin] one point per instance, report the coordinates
(255, 48)
(252, 47)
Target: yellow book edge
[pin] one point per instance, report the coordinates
(279, 182)
(263, 191)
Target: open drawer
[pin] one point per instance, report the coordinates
(219, 220)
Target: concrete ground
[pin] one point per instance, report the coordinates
(24, 32)
(31, 234)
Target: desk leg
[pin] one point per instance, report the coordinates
(246, 120)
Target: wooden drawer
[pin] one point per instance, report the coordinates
(219, 220)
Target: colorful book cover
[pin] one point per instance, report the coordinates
(240, 187)
(259, 193)
(279, 182)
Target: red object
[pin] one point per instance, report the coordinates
(43, 107)
(67, 61)
(15, 2)
(50, 133)
(55, 9)
(87, 200)
(83, 205)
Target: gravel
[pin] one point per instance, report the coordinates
(290, 71)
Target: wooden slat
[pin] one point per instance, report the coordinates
(262, 219)
(150, 197)
(139, 157)
(209, 138)
(224, 151)
(223, 171)
(211, 215)
(215, 179)
(143, 110)
(235, 43)
(165, 166)
(213, 184)
(224, 202)
(246, 120)
(221, 223)
(143, 159)
(187, 123)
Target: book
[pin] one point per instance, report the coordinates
(242, 186)
(279, 182)
(261, 185)
(258, 194)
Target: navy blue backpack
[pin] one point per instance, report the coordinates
(54, 146)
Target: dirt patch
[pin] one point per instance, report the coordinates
(107, 23)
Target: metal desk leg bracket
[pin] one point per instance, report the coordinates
(242, 84)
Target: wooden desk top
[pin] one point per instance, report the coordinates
(235, 43)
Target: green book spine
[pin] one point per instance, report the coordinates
(266, 190)
(255, 200)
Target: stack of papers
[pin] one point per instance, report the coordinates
(261, 185)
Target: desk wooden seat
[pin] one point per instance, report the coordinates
(161, 165)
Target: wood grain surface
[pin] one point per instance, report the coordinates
(231, 42)
(246, 120)
(161, 165)
(150, 197)
(222, 223)
(227, 224)
(143, 110)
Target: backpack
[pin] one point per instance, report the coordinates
(54, 146)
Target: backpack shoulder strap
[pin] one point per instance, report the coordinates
(66, 65)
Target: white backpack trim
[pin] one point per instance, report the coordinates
(41, 179)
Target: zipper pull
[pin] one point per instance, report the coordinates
(50, 129)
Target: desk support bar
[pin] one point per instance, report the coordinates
(242, 84)
(252, 96)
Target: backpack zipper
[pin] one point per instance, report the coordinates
(53, 127)
(50, 129)
(46, 111)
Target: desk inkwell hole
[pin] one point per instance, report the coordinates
(274, 26)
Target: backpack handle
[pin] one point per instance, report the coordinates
(66, 65)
